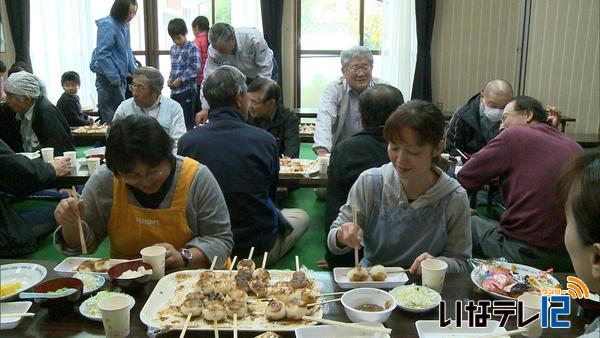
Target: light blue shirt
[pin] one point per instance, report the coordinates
(165, 110)
(30, 139)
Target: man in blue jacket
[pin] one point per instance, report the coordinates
(243, 159)
(112, 59)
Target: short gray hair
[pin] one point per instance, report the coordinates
(157, 81)
(221, 86)
(356, 52)
(221, 32)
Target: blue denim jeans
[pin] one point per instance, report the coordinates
(41, 220)
(187, 101)
(110, 97)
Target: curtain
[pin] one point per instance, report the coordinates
(399, 44)
(425, 14)
(18, 17)
(272, 12)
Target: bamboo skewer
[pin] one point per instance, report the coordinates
(507, 333)
(251, 253)
(297, 264)
(332, 294)
(80, 227)
(214, 262)
(324, 302)
(216, 329)
(264, 262)
(356, 227)
(235, 333)
(349, 325)
(232, 263)
(185, 325)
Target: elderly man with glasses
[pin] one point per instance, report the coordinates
(147, 99)
(338, 117)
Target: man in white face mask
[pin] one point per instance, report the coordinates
(476, 122)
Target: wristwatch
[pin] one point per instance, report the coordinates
(186, 254)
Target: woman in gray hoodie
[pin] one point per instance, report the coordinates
(409, 209)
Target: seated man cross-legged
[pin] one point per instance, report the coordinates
(244, 160)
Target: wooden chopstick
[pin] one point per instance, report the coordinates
(356, 227)
(324, 302)
(349, 325)
(19, 314)
(80, 227)
(332, 294)
(185, 326)
(507, 333)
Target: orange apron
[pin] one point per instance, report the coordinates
(133, 228)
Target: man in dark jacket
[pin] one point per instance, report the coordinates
(244, 161)
(271, 116)
(20, 231)
(39, 122)
(476, 122)
(363, 150)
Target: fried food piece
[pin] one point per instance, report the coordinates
(275, 310)
(246, 264)
(357, 274)
(214, 311)
(378, 273)
(295, 309)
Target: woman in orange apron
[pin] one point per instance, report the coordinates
(146, 196)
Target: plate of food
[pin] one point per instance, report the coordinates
(307, 128)
(377, 276)
(264, 300)
(17, 277)
(432, 329)
(510, 280)
(92, 129)
(416, 298)
(297, 167)
(89, 308)
(72, 265)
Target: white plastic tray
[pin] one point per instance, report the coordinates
(67, 267)
(392, 280)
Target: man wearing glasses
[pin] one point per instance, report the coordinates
(147, 99)
(338, 117)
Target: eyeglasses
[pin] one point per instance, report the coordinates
(135, 87)
(355, 69)
(134, 178)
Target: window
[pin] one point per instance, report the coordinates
(323, 36)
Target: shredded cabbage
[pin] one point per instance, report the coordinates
(89, 281)
(415, 297)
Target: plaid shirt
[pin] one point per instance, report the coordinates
(185, 62)
(202, 44)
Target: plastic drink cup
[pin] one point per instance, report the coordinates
(72, 156)
(92, 163)
(433, 272)
(116, 315)
(48, 154)
(323, 162)
(155, 256)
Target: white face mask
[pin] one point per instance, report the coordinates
(492, 114)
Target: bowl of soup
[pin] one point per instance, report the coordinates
(368, 305)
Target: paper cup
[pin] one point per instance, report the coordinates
(115, 315)
(155, 256)
(92, 163)
(532, 304)
(433, 272)
(72, 156)
(323, 162)
(48, 154)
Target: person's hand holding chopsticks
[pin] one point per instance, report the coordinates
(68, 214)
(349, 235)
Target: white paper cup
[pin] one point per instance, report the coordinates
(93, 163)
(433, 272)
(155, 256)
(115, 315)
(323, 162)
(48, 154)
(532, 304)
(72, 156)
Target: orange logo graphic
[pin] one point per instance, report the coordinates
(576, 288)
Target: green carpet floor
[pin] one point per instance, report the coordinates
(310, 248)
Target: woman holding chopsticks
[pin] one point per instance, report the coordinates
(147, 196)
(409, 210)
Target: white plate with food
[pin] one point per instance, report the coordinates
(7, 322)
(89, 307)
(416, 298)
(321, 331)
(297, 167)
(164, 310)
(432, 329)
(72, 265)
(91, 281)
(17, 277)
(510, 280)
(375, 277)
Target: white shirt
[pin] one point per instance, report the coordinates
(166, 111)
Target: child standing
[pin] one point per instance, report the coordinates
(69, 104)
(185, 62)
(200, 27)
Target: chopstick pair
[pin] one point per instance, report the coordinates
(80, 227)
